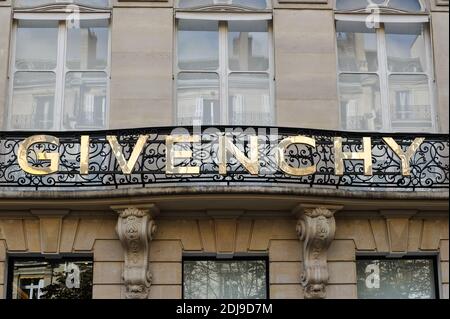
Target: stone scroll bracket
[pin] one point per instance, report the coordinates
(135, 227)
(315, 228)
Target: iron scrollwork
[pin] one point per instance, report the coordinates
(429, 166)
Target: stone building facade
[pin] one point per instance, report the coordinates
(312, 240)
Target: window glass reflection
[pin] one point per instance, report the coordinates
(396, 279)
(360, 102)
(37, 3)
(87, 46)
(410, 103)
(36, 45)
(249, 99)
(248, 47)
(406, 49)
(85, 100)
(403, 5)
(244, 279)
(33, 100)
(45, 279)
(82, 102)
(255, 4)
(198, 98)
(357, 47)
(198, 45)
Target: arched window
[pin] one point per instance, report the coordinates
(39, 3)
(385, 73)
(401, 5)
(224, 63)
(60, 63)
(251, 4)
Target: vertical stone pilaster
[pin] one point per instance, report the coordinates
(135, 227)
(315, 228)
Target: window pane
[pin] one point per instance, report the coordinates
(410, 102)
(198, 45)
(225, 279)
(42, 279)
(396, 279)
(36, 3)
(198, 98)
(87, 46)
(248, 45)
(360, 102)
(405, 45)
(357, 47)
(33, 100)
(249, 99)
(404, 5)
(256, 4)
(85, 100)
(36, 45)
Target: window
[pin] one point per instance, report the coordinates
(400, 5)
(35, 3)
(41, 278)
(254, 4)
(225, 279)
(406, 278)
(385, 74)
(60, 73)
(224, 72)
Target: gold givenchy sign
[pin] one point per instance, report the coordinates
(250, 162)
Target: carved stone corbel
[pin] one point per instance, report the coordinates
(135, 228)
(315, 227)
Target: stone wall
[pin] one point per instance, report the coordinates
(305, 63)
(275, 237)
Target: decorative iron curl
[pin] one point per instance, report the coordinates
(429, 165)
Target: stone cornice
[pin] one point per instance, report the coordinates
(187, 190)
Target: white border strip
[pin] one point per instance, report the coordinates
(223, 16)
(59, 16)
(383, 18)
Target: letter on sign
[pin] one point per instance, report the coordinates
(365, 155)
(84, 155)
(405, 157)
(171, 155)
(281, 160)
(127, 167)
(52, 157)
(250, 164)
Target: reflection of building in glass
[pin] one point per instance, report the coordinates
(34, 279)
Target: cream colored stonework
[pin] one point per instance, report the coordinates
(276, 237)
(165, 292)
(305, 60)
(286, 291)
(2, 273)
(141, 73)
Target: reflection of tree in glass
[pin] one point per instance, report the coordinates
(399, 279)
(59, 290)
(225, 279)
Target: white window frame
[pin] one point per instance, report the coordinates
(220, 3)
(61, 70)
(386, 8)
(383, 72)
(223, 71)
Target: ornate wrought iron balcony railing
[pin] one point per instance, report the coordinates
(428, 164)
